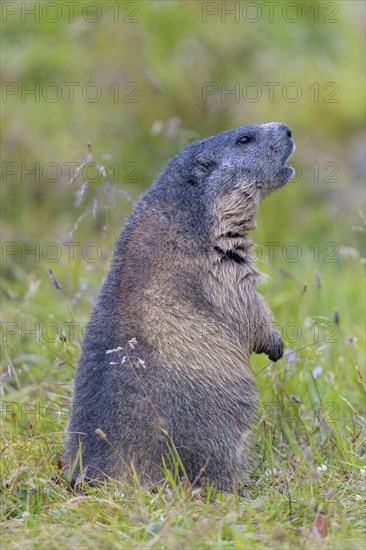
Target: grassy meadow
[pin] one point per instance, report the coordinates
(96, 97)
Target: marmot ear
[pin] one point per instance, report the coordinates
(205, 162)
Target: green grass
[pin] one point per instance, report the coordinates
(306, 420)
(307, 478)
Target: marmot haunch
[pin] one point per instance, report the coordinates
(165, 360)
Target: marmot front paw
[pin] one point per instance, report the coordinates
(275, 350)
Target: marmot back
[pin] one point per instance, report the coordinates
(165, 360)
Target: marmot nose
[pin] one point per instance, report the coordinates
(286, 129)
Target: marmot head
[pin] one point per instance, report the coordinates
(216, 184)
(252, 157)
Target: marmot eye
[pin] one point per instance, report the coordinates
(244, 139)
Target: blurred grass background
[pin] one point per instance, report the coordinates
(151, 62)
(164, 54)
